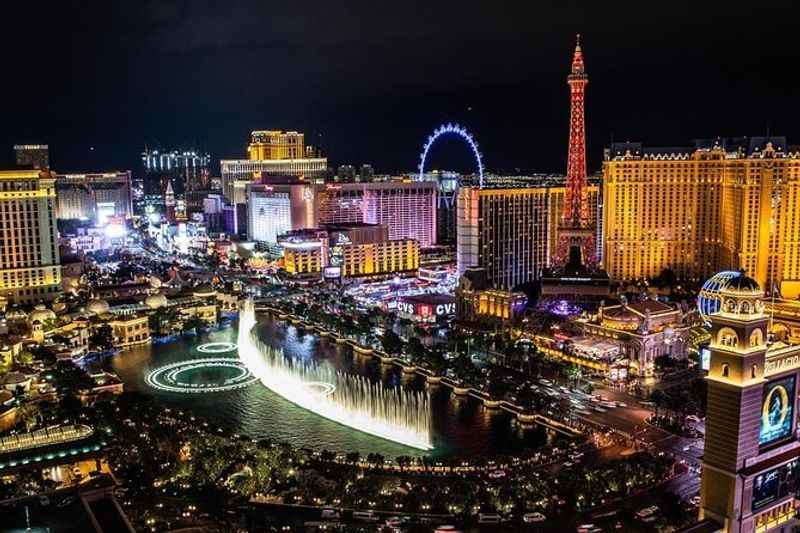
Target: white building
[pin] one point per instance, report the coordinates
(273, 210)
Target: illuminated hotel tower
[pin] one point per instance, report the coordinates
(575, 233)
(29, 260)
(718, 204)
(750, 461)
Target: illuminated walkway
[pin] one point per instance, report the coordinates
(44, 437)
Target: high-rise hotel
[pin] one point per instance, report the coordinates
(407, 208)
(270, 153)
(512, 233)
(29, 260)
(720, 204)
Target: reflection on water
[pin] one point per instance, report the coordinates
(461, 426)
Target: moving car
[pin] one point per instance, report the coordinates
(531, 518)
(365, 516)
(331, 514)
(488, 518)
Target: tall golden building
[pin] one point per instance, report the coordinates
(348, 250)
(722, 204)
(272, 153)
(276, 144)
(380, 258)
(30, 268)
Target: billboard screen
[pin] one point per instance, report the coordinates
(773, 485)
(332, 272)
(705, 358)
(777, 410)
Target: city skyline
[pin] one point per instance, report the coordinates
(365, 267)
(495, 73)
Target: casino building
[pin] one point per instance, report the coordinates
(719, 204)
(29, 259)
(512, 232)
(270, 153)
(96, 196)
(351, 250)
(750, 465)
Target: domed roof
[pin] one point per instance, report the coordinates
(621, 317)
(14, 378)
(70, 284)
(97, 306)
(204, 290)
(41, 314)
(154, 301)
(155, 282)
(16, 314)
(743, 284)
(732, 283)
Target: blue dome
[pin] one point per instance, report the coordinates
(708, 301)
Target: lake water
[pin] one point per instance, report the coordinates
(462, 426)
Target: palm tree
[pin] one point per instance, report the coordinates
(573, 373)
(28, 414)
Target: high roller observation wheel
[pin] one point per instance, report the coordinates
(447, 129)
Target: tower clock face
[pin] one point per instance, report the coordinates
(777, 410)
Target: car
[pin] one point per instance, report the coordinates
(365, 516)
(395, 521)
(646, 512)
(330, 514)
(489, 518)
(531, 518)
(600, 410)
(585, 528)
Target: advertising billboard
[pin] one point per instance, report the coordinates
(705, 358)
(777, 410)
(773, 485)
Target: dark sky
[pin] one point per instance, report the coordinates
(369, 80)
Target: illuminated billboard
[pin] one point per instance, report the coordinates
(777, 410)
(705, 359)
(775, 484)
(332, 272)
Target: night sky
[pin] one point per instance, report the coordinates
(367, 81)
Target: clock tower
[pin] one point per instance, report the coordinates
(750, 463)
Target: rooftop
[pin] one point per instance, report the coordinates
(429, 299)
